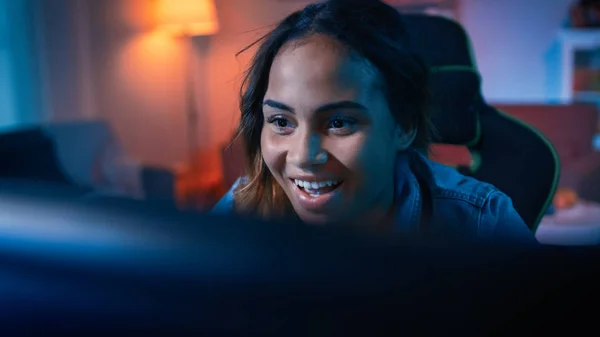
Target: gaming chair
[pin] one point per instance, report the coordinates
(506, 152)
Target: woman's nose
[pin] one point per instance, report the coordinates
(307, 151)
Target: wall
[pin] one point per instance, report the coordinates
(101, 60)
(138, 74)
(515, 45)
(137, 80)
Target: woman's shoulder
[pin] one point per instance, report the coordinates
(492, 212)
(227, 202)
(446, 182)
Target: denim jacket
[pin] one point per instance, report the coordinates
(436, 199)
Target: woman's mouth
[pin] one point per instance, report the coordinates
(317, 195)
(317, 188)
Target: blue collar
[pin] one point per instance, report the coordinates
(408, 196)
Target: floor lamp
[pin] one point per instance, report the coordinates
(187, 19)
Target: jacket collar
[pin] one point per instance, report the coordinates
(408, 201)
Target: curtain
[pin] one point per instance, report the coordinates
(20, 76)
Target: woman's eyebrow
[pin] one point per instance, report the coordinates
(324, 108)
(278, 105)
(341, 105)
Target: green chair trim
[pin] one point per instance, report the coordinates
(475, 161)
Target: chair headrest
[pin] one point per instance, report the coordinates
(453, 114)
(440, 41)
(455, 83)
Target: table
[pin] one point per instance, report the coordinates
(576, 226)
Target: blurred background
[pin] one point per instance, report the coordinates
(139, 98)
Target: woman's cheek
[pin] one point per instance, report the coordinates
(273, 149)
(349, 151)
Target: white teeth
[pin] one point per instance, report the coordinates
(315, 185)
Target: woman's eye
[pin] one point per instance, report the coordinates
(341, 123)
(280, 124)
(338, 123)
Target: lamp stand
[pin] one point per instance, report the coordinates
(190, 102)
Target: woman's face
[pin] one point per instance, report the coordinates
(329, 138)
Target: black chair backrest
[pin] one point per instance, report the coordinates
(506, 152)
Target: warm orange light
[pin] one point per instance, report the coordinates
(189, 17)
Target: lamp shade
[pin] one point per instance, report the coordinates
(189, 17)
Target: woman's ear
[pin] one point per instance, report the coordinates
(403, 139)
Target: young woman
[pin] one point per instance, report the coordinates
(334, 118)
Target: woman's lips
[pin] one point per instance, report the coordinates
(316, 202)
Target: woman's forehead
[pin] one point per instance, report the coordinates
(321, 63)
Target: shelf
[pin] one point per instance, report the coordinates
(587, 96)
(571, 41)
(582, 36)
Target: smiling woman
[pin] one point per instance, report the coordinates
(334, 117)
